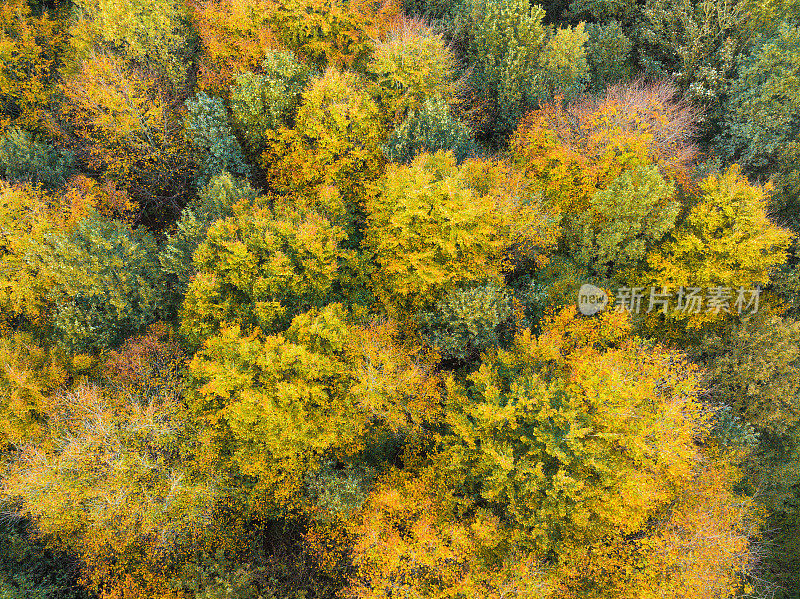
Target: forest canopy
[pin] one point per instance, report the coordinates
(380, 299)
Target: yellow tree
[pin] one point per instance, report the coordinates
(131, 129)
(435, 226)
(29, 59)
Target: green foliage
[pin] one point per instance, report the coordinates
(755, 368)
(215, 201)
(604, 11)
(696, 41)
(261, 103)
(761, 117)
(212, 138)
(23, 159)
(105, 281)
(625, 221)
(257, 269)
(339, 493)
(467, 321)
(504, 42)
(28, 570)
(575, 435)
(518, 63)
(608, 52)
(563, 69)
(430, 128)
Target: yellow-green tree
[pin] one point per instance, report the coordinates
(575, 435)
(274, 407)
(336, 142)
(258, 269)
(435, 226)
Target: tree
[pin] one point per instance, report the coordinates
(23, 159)
(336, 142)
(429, 128)
(575, 435)
(573, 151)
(332, 33)
(131, 129)
(235, 38)
(608, 52)
(761, 123)
(564, 70)
(153, 36)
(258, 269)
(262, 103)
(409, 542)
(129, 503)
(28, 216)
(214, 201)
(277, 406)
(435, 227)
(412, 64)
(105, 283)
(28, 378)
(211, 137)
(467, 321)
(697, 43)
(504, 42)
(727, 239)
(626, 220)
(29, 59)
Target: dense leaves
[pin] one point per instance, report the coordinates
(288, 287)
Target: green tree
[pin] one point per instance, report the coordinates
(105, 281)
(504, 42)
(563, 69)
(24, 159)
(608, 52)
(262, 103)
(211, 137)
(761, 118)
(429, 128)
(697, 42)
(625, 221)
(467, 321)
